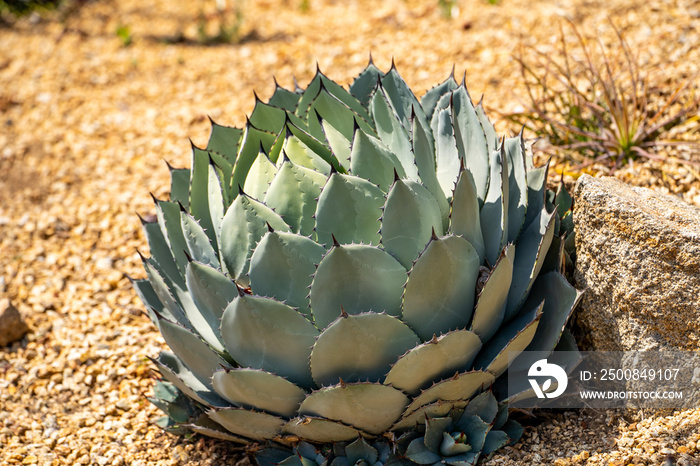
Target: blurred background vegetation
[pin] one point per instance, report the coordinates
(591, 102)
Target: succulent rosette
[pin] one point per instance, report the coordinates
(461, 437)
(350, 263)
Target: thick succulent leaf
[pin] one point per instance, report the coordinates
(439, 294)
(465, 216)
(161, 254)
(471, 141)
(460, 387)
(430, 99)
(405, 103)
(364, 85)
(570, 247)
(339, 144)
(175, 372)
(337, 114)
(517, 389)
(463, 459)
(487, 126)
(336, 90)
(517, 189)
(454, 450)
(560, 298)
(217, 202)
(253, 138)
(475, 429)
(167, 423)
(171, 310)
(193, 352)
(316, 429)
(349, 208)
(563, 200)
(360, 450)
(205, 426)
(393, 134)
(358, 278)
(177, 407)
(444, 103)
(372, 160)
(225, 140)
(567, 224)
(501, 416)
(198, 242)
(312, 146)
(434, 360)
(483, 405)
(284, 98)
(301, 154)
(165, 393)
(298, 461)
(434, 429)
(511, 338)
(180, 186)
(199, 193)
(555, 260)
(266, 117)
(306, 451)
(261, 174)
(144, 290)
(197, 320)
(211, 291)
(359, 347)
(424, 153)
(549, 199)
(494, 212)
(567, 342)
(565, 355)
(491, 303)
(341, 461)
(245, 223)
(275, 152)
(251, 424)
(514, 430)
(282, 267)
(223, 171)
(265, 334)
(256, 389)
(168, 214)
(529, 256)
(273, 456)
(536, 188)
(446, 154)
(292, 195)
(437, 409)
(419, 453)
(370, 407)
(410, 217)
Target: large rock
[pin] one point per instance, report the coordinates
(12, 327)
(638, 256)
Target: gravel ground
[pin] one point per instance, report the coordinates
(87, 124)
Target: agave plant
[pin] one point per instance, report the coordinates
(480, 429)
(351, 263)
(358, 452)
